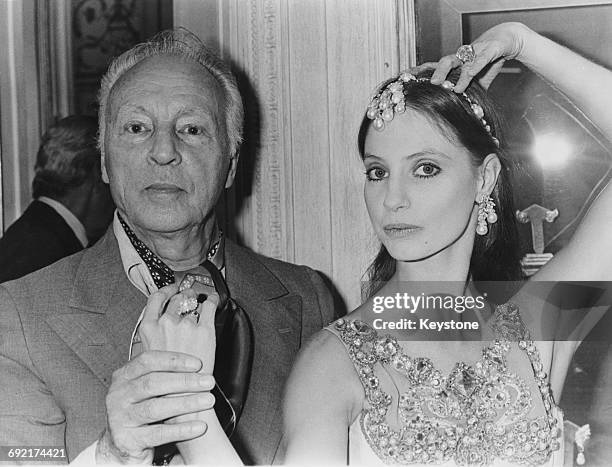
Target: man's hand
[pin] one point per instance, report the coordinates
(135, 403)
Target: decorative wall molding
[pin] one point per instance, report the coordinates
(54, 53)
(264, 220)
(407, 28)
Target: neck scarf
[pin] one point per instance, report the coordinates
(160, 272)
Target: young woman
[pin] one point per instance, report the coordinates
(438, 197)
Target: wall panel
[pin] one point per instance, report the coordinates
(309, 124)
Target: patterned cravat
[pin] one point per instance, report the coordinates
(160, 272)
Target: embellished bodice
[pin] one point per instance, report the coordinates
(475, 415)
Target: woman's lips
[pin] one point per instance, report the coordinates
(400, 230)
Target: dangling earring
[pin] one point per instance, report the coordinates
(486, 213)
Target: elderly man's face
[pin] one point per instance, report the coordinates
(165, 158)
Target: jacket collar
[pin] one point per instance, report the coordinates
(247, 277)
(99, 273)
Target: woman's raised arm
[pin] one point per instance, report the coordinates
(588, 256)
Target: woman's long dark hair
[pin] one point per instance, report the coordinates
(495, 256)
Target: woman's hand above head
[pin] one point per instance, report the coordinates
(506, 41)
(179, 322)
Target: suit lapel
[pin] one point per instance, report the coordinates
(252, 285)
(276, 317)
(102, 312)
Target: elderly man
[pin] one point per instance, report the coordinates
(170, 128)
(72, 207)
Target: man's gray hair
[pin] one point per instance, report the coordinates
(179, 42)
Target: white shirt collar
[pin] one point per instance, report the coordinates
(73, 222)
(133, 265)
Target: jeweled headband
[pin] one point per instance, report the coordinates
(389, 101)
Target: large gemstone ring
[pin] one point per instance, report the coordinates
(188, 306)
(465, 53)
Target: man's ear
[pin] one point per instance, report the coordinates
(231, 173)
(488, 173)
(103, 167)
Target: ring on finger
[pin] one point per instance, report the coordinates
(465, 53)
(188, 306)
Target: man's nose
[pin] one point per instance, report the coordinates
(164, 149)
(396, 196)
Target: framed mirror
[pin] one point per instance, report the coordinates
(562, 159)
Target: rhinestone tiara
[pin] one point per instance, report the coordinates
(389, 101)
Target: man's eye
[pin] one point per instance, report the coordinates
(427, 170)
(192, 130)
(376, 174)
(135, 128)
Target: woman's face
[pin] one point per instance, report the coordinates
(420, 188)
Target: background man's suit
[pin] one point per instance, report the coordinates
(66, 328)
(38, 238)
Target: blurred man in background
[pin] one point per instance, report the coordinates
(72, 207)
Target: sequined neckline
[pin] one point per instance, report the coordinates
(474, 415)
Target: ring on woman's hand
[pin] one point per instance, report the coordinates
(465, 53)
(188, 306)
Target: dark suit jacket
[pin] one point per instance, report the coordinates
(35, 240)
(66, 328)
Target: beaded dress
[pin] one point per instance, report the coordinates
(478, 414)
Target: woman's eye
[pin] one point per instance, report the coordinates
(427, 170)
(376, 174)
(135, 128)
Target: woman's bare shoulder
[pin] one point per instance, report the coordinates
(325, 355)
(324, 376)
(326, 347)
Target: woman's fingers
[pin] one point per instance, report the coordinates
(488, 54)
(180, 305)
(208, 309)
(157, 302)
(443, 68)
(168, 305)
(487, 78)
(422, 67)
(471, 69)
(187, 326)
(491, 49)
